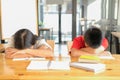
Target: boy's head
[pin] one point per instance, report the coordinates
(93, 37)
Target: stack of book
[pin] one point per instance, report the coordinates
(91, 63)
(89, 59)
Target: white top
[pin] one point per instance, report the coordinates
(38, 43)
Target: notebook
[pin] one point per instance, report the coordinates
(96, 68)
(89, 59)
(45, 65)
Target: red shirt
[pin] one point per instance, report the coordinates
(79, 43)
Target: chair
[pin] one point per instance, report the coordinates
(2, 48)
(69, 45)
(51, 43)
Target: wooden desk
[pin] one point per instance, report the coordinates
(17, 70)
(116, 36)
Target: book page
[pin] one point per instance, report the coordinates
(38, 65)
(60, 65)
(106, 55)
(35, 58)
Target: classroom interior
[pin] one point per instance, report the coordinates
(63, 20)
(60, 21)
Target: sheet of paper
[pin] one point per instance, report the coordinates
(19, 59)
(38, 65)
(60, 65)
(108, 56)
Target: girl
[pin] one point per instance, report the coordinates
(25, 44)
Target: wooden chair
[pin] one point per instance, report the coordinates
(69, 45)
(2, 48)
(51, 43)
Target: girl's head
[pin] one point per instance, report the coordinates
(93, 37)
(24, 38)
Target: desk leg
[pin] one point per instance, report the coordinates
(117, 45)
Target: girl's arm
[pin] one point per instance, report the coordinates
(83, 51)
(43, 51)
(12, 53)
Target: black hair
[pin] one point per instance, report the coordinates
(24, 38)
(93, 37)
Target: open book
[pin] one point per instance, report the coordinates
(45, 65)
(96, 68)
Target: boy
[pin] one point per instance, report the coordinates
(92, 43)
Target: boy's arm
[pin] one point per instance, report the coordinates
(84, 51)
(87, 51)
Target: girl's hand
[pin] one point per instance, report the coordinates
(9, 51)
(20, 55)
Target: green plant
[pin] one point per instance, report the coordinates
(41, 23)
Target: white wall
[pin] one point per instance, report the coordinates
(119, 14)
(18, 14)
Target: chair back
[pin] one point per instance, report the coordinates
(2, 48)
(51, 43)
(69, 45)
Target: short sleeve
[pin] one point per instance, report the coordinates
(10, 42)
(105, 43)
(40, 43)
(78, 42)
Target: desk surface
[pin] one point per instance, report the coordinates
(17, 70)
